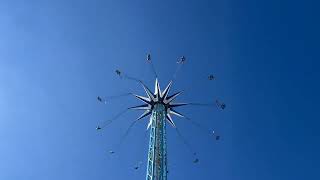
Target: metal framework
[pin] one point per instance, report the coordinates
(157, 151)
(160, 106)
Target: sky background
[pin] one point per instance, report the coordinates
(57, 56)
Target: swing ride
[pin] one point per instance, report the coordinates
(160, 105)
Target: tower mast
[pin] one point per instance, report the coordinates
(160, 106)
(157, 151)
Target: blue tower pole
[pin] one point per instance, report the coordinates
(157, 152)
(160, 106)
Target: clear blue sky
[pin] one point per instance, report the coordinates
(57, 56)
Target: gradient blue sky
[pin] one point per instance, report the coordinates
(57, 56)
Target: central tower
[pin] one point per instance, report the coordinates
(157, 151)
(160, 106)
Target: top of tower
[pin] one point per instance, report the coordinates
(158, 97)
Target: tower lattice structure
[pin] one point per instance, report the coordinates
(160, 106)
(157, 151)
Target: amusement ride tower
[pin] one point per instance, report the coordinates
(159, 105)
